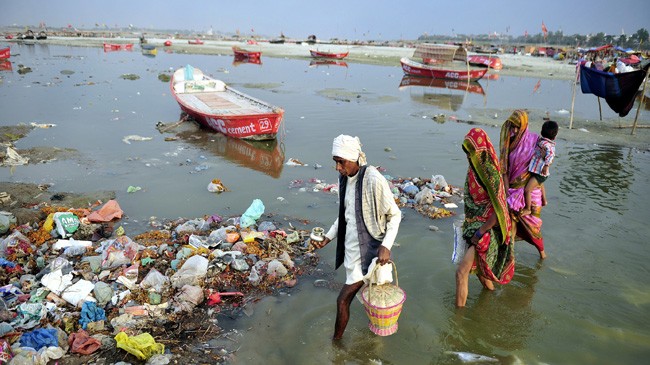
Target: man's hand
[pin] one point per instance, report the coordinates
(320, 244)
(383, 256)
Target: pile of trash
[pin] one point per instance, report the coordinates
(76, 285)
(432, 197)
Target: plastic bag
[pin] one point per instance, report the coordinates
(66, 223)
(154, 280)
(142, 346)
(193, 270)
(439, 182)
(460, 246)
(106, 213)
(81, 343)
(252, 214)
(120, 251)
(6, 220)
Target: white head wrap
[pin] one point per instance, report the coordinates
(349, 148)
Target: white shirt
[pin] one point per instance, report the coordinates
(352, 258)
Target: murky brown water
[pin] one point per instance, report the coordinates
(588, 303)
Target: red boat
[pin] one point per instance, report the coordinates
(195, 41)
(316, 63)
(5, 53)
(168, 43)
(414, 68)
(241, 53)
(223, 109)
(5, 65)
(9, 36)
(336, 56)
(117, 47)
(489, 61)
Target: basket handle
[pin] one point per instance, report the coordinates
(375, 269)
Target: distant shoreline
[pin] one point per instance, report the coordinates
(608, 131)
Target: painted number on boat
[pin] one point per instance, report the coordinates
(452, 75)
(265, 125)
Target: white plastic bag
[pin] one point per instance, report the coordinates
(193, 270)
(460, 246)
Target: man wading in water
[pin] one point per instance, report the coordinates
(367, 223)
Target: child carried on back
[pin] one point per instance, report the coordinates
(539, 164)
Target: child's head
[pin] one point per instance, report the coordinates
(549, 129)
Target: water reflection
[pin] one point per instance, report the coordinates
(497, 322)
(263, 156)
(601, 174)
(316, 63)
(5, 66)
(443, 93)
(242, 60)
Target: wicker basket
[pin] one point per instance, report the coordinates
(383, 304)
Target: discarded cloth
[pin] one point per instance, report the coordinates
(90, 312)
(38, 338)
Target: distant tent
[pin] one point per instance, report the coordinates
(619, 90)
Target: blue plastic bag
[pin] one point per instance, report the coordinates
(252, 214)
(38, 338)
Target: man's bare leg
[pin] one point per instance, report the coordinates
(346, 295)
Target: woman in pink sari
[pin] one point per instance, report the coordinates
(517, 145)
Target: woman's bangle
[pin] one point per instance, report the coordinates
(478, 234)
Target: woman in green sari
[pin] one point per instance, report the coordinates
(487, 225)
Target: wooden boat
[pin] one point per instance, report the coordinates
(6, 65)
(443, 63)
(9, 36)
(489, 61)
(415, 68)
(322, 62)
(195, 41)
(241, 53)
(150, 51)
(470, 86)
(29, 34)
(5, 53)
(117, 47)
(223, 109)
(168, 43)
(41, 35)
(277, 41)
(330, 55)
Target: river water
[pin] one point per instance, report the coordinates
(588, 303)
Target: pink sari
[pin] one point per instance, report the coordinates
(528, 227)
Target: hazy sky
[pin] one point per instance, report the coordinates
(350, 19)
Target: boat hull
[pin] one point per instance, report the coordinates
(334, 56)
(117, 47)
(413, 68)
(262, 123)
(243, 54)
(5, 53)
(491, 62)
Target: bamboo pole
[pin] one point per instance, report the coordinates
(573, 99)
(645, 83)
(600, 110)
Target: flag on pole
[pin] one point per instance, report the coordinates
(544, 29)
